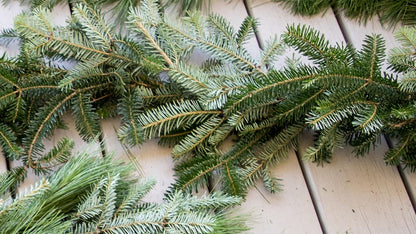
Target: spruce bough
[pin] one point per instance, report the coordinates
(144, 76)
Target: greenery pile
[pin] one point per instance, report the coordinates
(95, 195)
(389, 12)
(145, 75)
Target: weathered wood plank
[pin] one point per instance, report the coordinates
(409, 180)
(274, 18)
(72, 133)
(360, 195)
(355, 31)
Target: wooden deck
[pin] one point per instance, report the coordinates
(350, 195)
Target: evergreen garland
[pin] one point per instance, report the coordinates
(95, 195)
(143, 76)
(389, 11)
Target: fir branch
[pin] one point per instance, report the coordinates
(269, 54)
(60, 154)
(309, 42)
(223, 26)
(86, 119)
(44, 127)
(156, 46)
(237, 150)
(130, 108)
(393, 156)
(273, 87)
(328, 140)
(196, 138)
(8, 142)
(245, 31)
(278, 146)
(172, 116)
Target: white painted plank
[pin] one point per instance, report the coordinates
(8, 12)
(284, 211)
(273, 20)
(60, 14)
(281, 212)
(409, 178)
(360, 195)
(72, 133)
(3, 165)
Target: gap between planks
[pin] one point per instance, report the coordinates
(404, 177)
